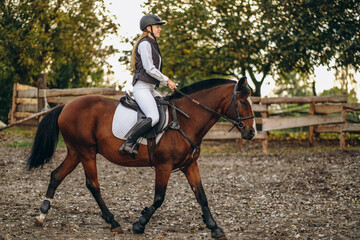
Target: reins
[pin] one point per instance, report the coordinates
(236, 123)
(176, 126)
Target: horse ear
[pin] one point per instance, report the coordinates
(243, 87)
(242, 81)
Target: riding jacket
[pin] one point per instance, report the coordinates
(148, 65)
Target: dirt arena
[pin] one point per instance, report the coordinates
(304, 194)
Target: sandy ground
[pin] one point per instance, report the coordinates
(283, 195)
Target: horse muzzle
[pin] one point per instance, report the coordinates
(248, 133)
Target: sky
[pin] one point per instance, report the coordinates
(128, 14)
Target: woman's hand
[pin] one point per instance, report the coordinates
(171, 85)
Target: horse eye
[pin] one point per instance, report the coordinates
(243, 103)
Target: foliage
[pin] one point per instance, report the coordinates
(60, 37)
(231, 38)
(345, 78)
(294, 84)
(338, 91)
(345, 83)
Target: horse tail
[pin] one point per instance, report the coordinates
(46, 139)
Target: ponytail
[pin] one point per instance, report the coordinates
(133, 53)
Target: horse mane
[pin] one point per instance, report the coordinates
(202, 85)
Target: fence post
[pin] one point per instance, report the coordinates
(13, 106)
(41, 82)
(342, 133)
(311, 128)
(239, 143)
(265, 141)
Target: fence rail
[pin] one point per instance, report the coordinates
(321, 99)
(28, 100)
(325, 113)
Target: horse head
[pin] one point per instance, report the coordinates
(242, 110)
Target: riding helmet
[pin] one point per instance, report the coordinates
(150, 19)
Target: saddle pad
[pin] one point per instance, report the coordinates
(125, 118)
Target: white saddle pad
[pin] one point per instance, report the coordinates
(125, 118)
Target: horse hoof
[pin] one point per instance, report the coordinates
(218, 234)
(117, 230)
(38, 222)
(138, 228)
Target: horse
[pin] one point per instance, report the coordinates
(85, 124)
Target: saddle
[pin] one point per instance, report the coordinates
(129, 102)
(160, 127)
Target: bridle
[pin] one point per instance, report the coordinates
(236, 123)
(176, 126)
(239, 121)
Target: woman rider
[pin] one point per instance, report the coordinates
(146, 61)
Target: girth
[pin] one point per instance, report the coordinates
(174, 125)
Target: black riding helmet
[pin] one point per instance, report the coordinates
(149, 20)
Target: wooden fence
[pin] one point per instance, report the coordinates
(325, 114)
(27, 101)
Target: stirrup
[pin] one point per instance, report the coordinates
(131, 150)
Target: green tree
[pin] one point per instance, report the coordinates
(294, 84)
(205, 38)
(60, 37)
(345, 83)
(345, 77)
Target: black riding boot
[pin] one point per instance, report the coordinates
(138, 130)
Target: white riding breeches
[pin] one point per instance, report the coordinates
(144, 94)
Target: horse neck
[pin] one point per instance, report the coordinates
(201, 120)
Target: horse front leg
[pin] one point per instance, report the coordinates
(161, 180)
(93, 185)
(193, 176)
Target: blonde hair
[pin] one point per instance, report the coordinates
(133, 53)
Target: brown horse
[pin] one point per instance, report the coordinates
(85, 125)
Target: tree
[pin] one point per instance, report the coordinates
(294, 84)
(345, 83)
(255, 38)
(345, 77)
(60, 37)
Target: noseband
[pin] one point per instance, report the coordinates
(236, 123)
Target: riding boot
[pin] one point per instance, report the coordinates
(138, 130)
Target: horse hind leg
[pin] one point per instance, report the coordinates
(57, 176)
(93, 185)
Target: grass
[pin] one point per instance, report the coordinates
(21, 144)
(61, 143)
(303, 134)
(19, 137)
(279, 141)
(221, 148)
(22, 132)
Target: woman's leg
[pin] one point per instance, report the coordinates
(143, 94)
(155, 93)
(144, 98)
